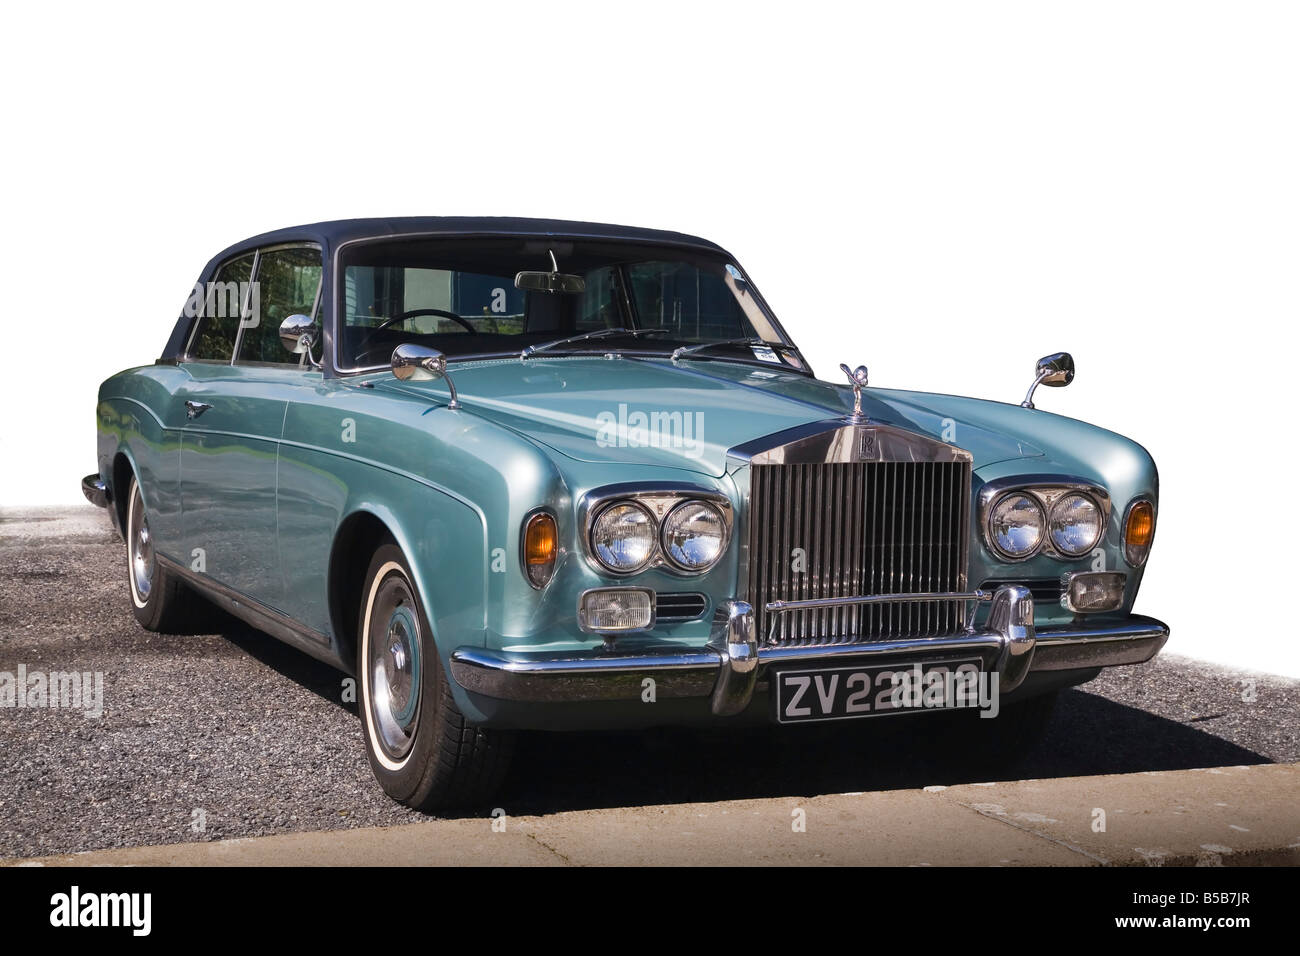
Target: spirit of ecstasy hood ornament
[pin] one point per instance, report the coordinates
(858, 379)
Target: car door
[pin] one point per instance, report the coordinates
(235, 415)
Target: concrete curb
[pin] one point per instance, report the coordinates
(1218, 816)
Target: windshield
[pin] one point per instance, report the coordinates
(459, 297)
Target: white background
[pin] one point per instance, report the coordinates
(943, 192)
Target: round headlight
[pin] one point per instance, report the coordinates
(1076, 525)
(623, 537)
(693, 535)
(1016, 525)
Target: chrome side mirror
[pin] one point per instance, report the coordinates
(415, 363)
(1056, 370)
(296, 334)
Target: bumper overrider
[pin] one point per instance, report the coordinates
(96, 491)
(729, 668)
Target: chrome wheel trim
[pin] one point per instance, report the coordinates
(141, 564)
(392, 664)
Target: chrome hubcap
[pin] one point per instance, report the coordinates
(140, 546)
(394, 666)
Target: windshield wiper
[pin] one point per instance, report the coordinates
(686, 351)
(598, 334)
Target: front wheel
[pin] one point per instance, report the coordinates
(422, 750)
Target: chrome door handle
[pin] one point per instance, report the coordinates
(195, 409)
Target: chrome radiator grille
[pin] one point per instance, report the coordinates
(862, 528)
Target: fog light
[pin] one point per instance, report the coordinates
(606, 610)
(1087, 592)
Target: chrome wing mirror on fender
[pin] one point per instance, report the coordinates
(1055, 370)
(297, 336)
(415, 363)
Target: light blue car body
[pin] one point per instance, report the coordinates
(268, 494)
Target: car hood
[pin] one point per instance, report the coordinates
(686, 416)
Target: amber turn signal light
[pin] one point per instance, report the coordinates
(1139, 532)
(541, 546)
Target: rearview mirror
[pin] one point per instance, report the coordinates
(1055, 370)
(550, 282)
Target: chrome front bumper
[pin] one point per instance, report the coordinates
(730, 666)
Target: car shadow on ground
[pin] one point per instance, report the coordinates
(316, 676)
(1088, 735)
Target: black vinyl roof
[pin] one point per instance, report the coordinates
(330, 235)
(335, 232)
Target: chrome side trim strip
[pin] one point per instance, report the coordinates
(258, 615)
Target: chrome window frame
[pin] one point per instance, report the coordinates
(186, 357)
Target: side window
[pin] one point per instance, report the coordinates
(219, 310)
(286, 284)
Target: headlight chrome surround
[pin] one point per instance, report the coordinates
(659, 501)
(1048, 491)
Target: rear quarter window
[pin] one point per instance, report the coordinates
(221, 304)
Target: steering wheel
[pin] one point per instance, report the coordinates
(362, 352)
(414, 313)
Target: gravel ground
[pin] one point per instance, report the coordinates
(232, 734)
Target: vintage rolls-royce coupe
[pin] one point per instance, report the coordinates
(522, 474)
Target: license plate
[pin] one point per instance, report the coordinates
(840, 693)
